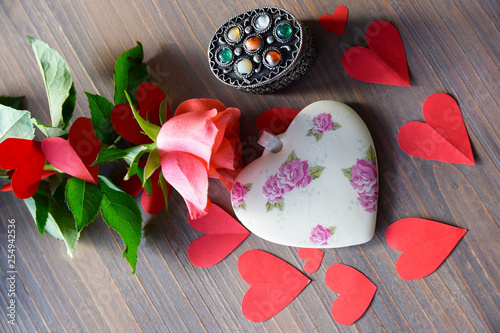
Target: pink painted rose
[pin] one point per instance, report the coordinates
(273, 190)
(238, 193)
(293, 174)
(368, 201)
(320, 235)
(323, 122)
(364, 177)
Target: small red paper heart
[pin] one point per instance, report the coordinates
(383, 62)
(356, 293)
(337, 22)
(75, 156)
(276, 120)
(273, 284)
(27, 158)
(425, 245)
(444, 136)
(313, 258)
(222, 235)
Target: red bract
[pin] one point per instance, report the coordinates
(149, 98)
(202, 140)
(28, 160)
(153, 203)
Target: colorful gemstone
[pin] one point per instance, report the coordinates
(253, 43)
(272, 58)
(262, 22)
(225, 56)
(234, 34)
(244, 66)
(284, 31)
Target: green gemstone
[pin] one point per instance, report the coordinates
(225, 56)
(284, 31)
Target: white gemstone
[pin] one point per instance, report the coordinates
(234, 34)
(262, 22)
(244, 66)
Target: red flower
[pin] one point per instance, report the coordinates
(27, 159)
(149, 98)
(202, 140)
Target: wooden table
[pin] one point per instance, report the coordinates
(451, 47)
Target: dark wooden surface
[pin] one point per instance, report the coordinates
(451, 46)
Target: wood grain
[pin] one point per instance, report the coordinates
(451, 46)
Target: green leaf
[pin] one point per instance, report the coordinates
(280, 205)
(13, 102)
(149, 129)
(112, 154)
(347, 173)
(291, 157)
(130, 72)
(310, 132)
(332, 229)
(248, 186)
(120, 211)
(164, 189)
(100, 109)
(269, 206)
(60, 224)
(84, 201)
(336, 126)
(370, 154)
(152, 164)
(49, 131)
(42, 205)
(163, 110)
(316, 171)
(15, 124)
(317, 136)
(58, 83)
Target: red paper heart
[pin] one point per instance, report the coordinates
(75, 156)
(337, 22)
(383, 62)
(444, 136)
(273, 284)
(222, 235)
(425, 245)
(27, 158)
(313, 258)
(276, 120)
(356, 293)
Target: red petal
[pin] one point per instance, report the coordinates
(85, 143)
(126, 126)
(149, 98)
(276, 120)
(154, 203)
(6, 187)
(201, 104)
(132, 186)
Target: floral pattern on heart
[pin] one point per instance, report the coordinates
(322, 123)
(321, 235)
(364, 180)
(293, 173)
(238, 194)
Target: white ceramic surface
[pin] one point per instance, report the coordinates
(320, 190)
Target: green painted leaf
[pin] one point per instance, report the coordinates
(291, 157)
(243, 206)
(50, 131)
(152, 164)
(13, 102)
(280, 205)
(120, 211)
(317, 136)
(347, 173)
(269, 206)
(370, 154)
(149, 129)
(316, 171)
(15, 124)
(100, 109)
(42, 205)
(336, 126)
(248, 186)
(84, 200)
(60, 224)
(130, 72)
(58, 83)
(332, 229)
(310, 132)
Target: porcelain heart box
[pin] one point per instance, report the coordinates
(320, 190)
